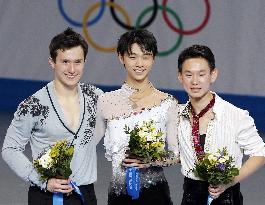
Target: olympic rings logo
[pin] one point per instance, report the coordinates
(127, 24)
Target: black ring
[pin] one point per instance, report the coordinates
(147, 23)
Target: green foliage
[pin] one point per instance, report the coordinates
(146, 143)
(55, 162)
(216, 168)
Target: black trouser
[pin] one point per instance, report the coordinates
(155, 195)
(196, 193)
(36, 196)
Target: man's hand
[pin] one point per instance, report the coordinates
(59, 185)
(216, 191)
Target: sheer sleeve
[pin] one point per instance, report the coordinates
(172, 128)
(171, 136)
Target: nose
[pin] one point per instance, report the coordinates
(194, 80)
(139, 62)
(71, 68)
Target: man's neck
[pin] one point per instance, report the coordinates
(64, 92)
(200, 103)
(138, 84)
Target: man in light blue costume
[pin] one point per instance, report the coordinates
(64, 109)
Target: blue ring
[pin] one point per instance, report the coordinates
(78, 24)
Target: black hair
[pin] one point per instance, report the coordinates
(66, 40)
(144, 38)
(196, 51)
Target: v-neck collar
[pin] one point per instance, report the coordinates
(57, 108)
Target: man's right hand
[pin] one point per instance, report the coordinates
(59, 185)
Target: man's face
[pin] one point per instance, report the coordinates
(137, 64)
(196, 77)
(69, 66)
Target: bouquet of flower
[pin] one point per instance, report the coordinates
(216, 168)
(146, 143)
(56, 161)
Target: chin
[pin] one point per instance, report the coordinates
(140, 78)
(71, 83)
(196, 95)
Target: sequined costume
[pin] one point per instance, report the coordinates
(38, 122)
(113, 113)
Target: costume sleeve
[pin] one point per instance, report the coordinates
(171, 136)
(17, 137)
(248, 137)
(100, 121)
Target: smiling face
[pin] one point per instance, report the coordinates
(68, 67)
(137, 64)
(196, 78)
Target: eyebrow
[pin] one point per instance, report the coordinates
(67, 59)
(200, 71)
(145, 53)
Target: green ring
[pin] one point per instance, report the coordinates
(175, 47)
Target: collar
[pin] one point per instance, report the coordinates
(218, 108)
(127, 89)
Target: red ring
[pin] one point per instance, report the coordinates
(192, 31)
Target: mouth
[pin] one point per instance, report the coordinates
(139, 71)
(195, 90)
(71, 77)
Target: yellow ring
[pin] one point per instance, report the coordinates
(85, 30)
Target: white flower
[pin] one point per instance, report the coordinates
(218, 155)
(45, 160)
(221, 160)
(144, 128)
(150, 138)
(142, 134)
(212, 158)
(226, 157)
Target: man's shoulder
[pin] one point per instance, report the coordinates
(35, 104)
(90, 89)
(165, 94)
(228, 107)
(111, 97)
(37, 96)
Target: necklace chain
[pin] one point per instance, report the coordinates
(140, 94)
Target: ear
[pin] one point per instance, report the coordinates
(154, 58)
(180, 77)
(214, 75)
(121, 58)
(51, 62)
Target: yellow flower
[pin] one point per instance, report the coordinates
(152, 129)
(54, 153)
(212, 158)
(70, 151)
(159, 134)
(157, 144)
